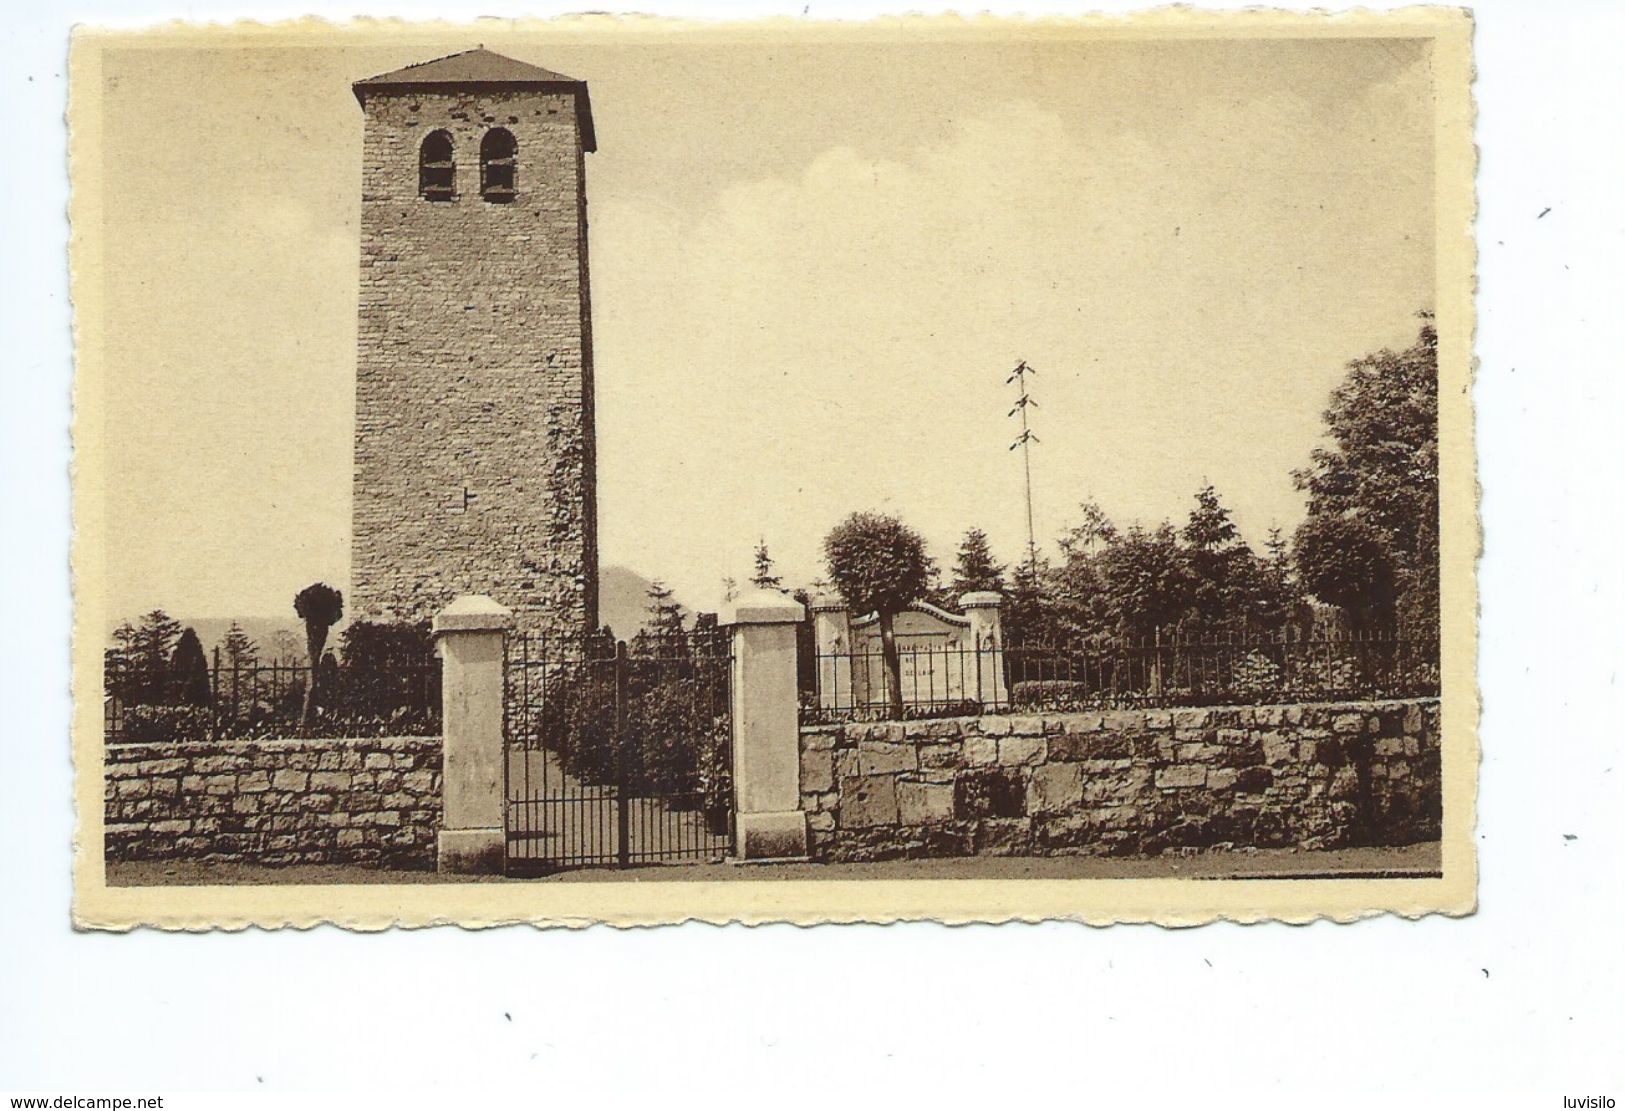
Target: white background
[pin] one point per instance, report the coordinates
(1528, 994)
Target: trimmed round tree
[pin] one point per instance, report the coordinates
(1347, 562)
(878, 563)
(319, 606)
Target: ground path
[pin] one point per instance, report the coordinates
(1406, 861)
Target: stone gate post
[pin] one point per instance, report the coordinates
(468, 637)
(987, 635)
(832, 635)
(768, 821)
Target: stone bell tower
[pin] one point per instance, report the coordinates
(474, 454)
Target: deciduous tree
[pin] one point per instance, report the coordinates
(1346, 562)
(1383, 464)
(879, 564)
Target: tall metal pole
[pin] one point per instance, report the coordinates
(1024, 442)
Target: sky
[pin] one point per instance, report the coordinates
(813, 264)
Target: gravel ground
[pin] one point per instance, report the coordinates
(1406, 861)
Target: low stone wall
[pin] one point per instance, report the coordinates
(317, 801)
(1125, 782)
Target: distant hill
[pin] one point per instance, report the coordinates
(262, 630)
(622, 605)
(623, 600)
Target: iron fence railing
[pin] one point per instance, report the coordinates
(1160, 670)
(246, 701)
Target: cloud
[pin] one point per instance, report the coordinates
(801, 347)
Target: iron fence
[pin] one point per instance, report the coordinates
(1160, 670)
(618, 753)
(246, 701)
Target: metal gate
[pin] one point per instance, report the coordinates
(618, 754)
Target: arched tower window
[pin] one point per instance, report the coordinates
(437, 170)
(498, 155)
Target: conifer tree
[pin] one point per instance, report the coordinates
(189, 671)
(238, 650)
(664, 613)
(975, 567)
(764, 578)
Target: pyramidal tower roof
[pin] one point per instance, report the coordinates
(480, 69)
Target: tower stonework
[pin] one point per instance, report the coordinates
(474, 444)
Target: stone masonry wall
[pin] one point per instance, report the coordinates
(1125, 782)
(366, 801)
(474, 369)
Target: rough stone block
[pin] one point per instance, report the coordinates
(1019, 749)
(1182, 775)
(817, 770)
(290, 780)
(331, 781)
(1131, 720)
(1278, 749)
(1054, 788)
(1107, 745)
(1004, 836)
(133, 789)
(942, 755)
(1348, 723)
(884, 757)
(990, 793)
(981, 751)
(924, 803)
(868, 801)
(254, 782)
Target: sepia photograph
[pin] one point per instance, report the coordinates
(738, 551)
(630, 472)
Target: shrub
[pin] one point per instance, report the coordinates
(1255, 674)
(1054, 694)
(144, 722)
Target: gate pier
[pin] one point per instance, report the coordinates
(468, 637)
(768, 821)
